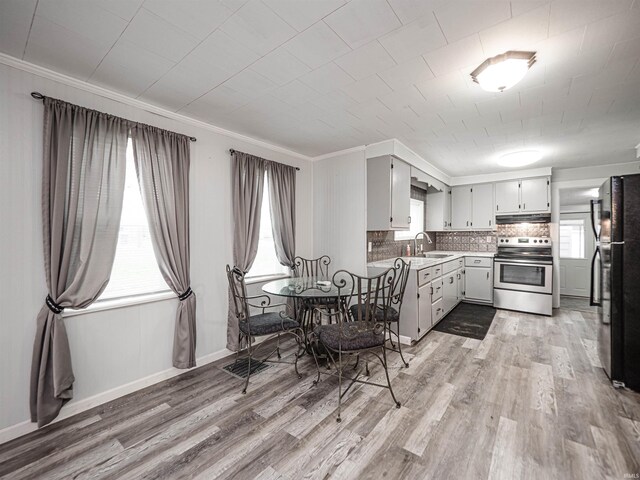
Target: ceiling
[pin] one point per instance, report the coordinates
(317, 76)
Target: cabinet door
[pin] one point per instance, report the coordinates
(435, 221)
(460, 207)
(424, 309)
(534, 194)
(460, 275)
(447, 209)
(478, 284)
(482, 206)
(450, 293)
(400, 194)
(508, 197)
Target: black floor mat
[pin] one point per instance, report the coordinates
(468, 320)
(240, 369)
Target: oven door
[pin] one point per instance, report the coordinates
(523, 276)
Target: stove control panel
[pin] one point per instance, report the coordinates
(524, 241)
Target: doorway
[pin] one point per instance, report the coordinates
(577, 241)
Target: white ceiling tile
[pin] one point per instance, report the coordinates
(295, 93)
(418, 37)
(250, 84)
(518, 7)
(56, 47)
(149, 31)
(519, 33)
(628, 50)
(125, 9)
(221, 98)
(257, 27)
(86, 19)
(15, 21)
(280, 67)
(505, 101)
(365, 61)
(327, 78)
(130, 68)
(463, 53)
(366, 89)
(409, 73)
(317, 45)
(442, 85)
(167, 96)
(368, 110)
(197, 17)
(408, 10)
(301, 14)
(570, 14)
(402, 98)
(361, 21)
(462, 18)
(222, 51)
(611, 30)
(335, 99)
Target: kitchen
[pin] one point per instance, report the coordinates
(320, 239)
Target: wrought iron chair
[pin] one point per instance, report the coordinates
(393, 314)
(312, 267)
(273, 324)
(364, 335)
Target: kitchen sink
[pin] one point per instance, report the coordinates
(436, 255)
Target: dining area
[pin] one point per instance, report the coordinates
(338, 323)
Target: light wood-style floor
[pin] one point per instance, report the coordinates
(530, 401)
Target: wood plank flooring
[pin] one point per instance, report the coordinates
(529, 401)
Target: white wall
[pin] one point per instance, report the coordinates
(340, 224)
(110, 349)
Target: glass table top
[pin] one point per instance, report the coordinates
(303, 287)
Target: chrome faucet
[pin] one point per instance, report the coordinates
(415, 241)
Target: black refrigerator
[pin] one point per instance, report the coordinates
(615, 278)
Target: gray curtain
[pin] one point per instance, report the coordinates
(162, 165)
(84, 168)
(281, 180)
(247, 187)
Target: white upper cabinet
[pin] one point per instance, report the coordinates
(482, 206)
(438, 211)
(460, 207)
(529, 195)
(388, 193)
(508, 197)
(534, 194)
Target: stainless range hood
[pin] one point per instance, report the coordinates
(523, 218)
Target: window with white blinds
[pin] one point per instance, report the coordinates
(135, 270)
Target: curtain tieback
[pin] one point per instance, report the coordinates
(187, 293)
(53, 306)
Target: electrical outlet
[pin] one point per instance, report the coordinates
(370, 248)
(488, 239)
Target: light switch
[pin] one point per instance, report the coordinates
(370, 247)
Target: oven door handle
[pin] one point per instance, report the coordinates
(517, 261)
(592, 299)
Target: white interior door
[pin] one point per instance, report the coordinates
(577, 244)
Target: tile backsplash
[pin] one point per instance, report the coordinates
(466, 241)
(524, 230)
(384, 245)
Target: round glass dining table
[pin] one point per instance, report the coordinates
(304, 288)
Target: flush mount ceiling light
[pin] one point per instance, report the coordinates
(519, 159)
(502, 72)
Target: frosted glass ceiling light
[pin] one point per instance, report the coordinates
(519, 159)
(502, 72)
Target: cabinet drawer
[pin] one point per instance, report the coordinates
(437, 311)
(424, 276)
(436, 271)
(437, 290)
(478, 261)
(450, 267)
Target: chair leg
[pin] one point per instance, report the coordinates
(406, 364)
(278, 348)
(246, 383)
(297, 354)
(238, 351)
(339, 386)
(315, 358)
(386, 371)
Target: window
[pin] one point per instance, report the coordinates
(572, 238)
(417, 221)
(266, 262)
(135, 269)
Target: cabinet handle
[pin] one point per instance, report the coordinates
(409, 218)
(489, 222)
(450, 280)
(487, 275)
(467, 223)
(524, 206)
(476, 261)
(458, 276)
(497, 208)
(431, 290)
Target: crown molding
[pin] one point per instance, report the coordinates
(346, 151)
(638, 150)
(121, 98)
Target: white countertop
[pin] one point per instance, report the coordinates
(418, 263)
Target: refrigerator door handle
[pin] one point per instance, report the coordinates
(592, 300)
(593, 221)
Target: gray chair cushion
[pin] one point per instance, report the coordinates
(267, 323)
(392, 315)
(354, 336)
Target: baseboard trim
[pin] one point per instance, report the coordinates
(23, 428)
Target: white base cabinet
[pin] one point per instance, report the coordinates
(478, 284)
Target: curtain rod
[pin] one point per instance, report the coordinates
(39, 96)
(232, 151)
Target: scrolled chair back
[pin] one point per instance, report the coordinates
(238, 290)
(370, 294)
(311, 267)
(402, 269)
